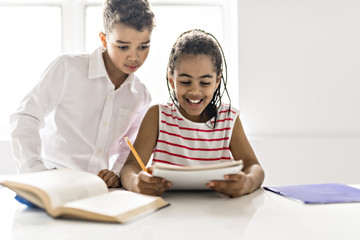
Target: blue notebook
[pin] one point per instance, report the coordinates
(318, 193)
(24, 201)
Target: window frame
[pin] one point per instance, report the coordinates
(76, 9)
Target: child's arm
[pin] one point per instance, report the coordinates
(29, 117)
(252, 175)
(132, 177)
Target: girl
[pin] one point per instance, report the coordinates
(196, 128)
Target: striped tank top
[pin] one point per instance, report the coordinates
(187, 143)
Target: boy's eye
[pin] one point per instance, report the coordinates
(123, 47)
(144, 47)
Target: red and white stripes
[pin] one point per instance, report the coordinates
(187, 143)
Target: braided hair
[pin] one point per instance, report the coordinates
(197, 42)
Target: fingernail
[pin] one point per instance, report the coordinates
(227, 177)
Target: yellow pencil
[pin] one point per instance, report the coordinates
(136, 154)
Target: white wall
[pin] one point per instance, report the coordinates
(299, 73)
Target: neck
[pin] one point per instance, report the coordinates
(116, 76)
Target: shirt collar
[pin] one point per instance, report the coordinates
(97, 68)
(96, 64)
(131, 80)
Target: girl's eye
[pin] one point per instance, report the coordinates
(144, 47)
(185, 82)
(205, 83)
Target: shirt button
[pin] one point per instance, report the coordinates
(98, 151)
(105, 124)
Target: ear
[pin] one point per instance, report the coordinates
(171, 80)
(102, 37)
(218, 80)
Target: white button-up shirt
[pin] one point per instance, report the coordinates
(74, 118)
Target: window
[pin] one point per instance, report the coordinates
(73, 26)
(31, 38)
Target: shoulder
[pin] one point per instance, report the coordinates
(169, 110)
(139, 94)
(168, 107)
(71, 61)
(152, 114)
(74, 57)
(139, 85)
(151, 119)
(229, 109)
(165, 110)
(56, 70)
(153, 111)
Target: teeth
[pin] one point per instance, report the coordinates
(194, 101)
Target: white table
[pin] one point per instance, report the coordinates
(194, 215)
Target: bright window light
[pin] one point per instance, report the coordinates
(31, 39)
(170, 23)
(35, 32)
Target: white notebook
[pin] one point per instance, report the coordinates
(195, 178)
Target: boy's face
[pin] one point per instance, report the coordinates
(194, 82)
(127, 48)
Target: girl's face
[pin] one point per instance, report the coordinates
(194, 82)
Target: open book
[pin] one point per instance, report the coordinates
(192, 178)
(77, 194)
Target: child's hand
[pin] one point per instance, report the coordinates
(151, 185)
(235, 185)
(110, 178)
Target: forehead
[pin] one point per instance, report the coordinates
(127, 34)
(197, 64)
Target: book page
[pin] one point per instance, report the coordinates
(193, 168)
(120, 204)
(195, 179)
(62, 185)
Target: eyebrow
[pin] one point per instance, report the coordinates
(123, 42)
(189, 76)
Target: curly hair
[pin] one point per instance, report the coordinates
(197, 42)
(132, 13)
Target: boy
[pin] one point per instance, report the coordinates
(77, 115)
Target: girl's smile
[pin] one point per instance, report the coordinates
(193, 105)
(194, 101)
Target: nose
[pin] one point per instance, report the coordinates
(133, 56)
(195, 89)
